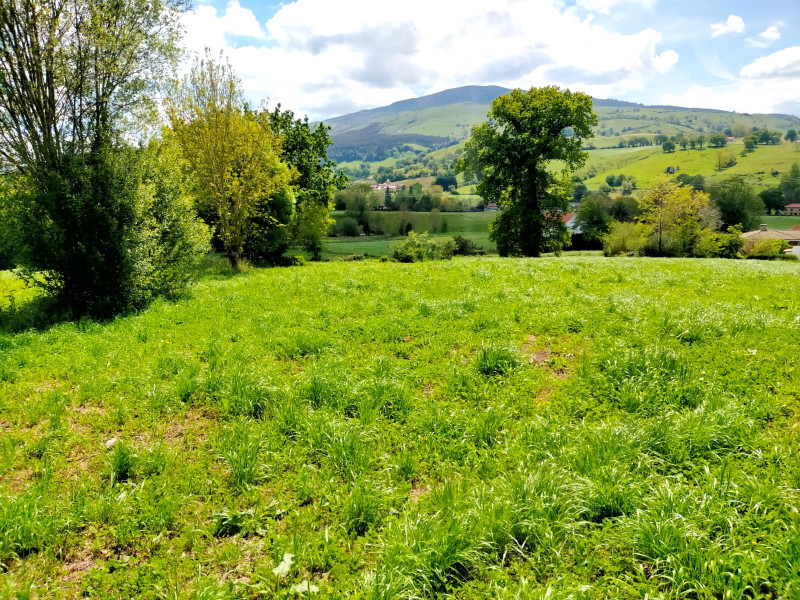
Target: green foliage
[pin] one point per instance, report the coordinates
(711, 244)
(766, 247)
(511, 153)
(234, 158)
(737, 203)
(418, 247)
(348, 227)
(625, 239)
(668, 146)
(773, 200)
(593, 218)
(464, 246)
(790, 185)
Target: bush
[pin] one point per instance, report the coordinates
(419, 247)
(348, 227)
(710, 244)
(110, 231)
(767, 247)
(464, 246)
(768, 256)
(625, 239)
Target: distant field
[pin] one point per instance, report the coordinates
(457, 222)
(380, 245)
(13, 290)
(780, 222)
(647, 164)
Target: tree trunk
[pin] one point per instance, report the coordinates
(234, 259)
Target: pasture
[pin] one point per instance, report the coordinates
(476, 428)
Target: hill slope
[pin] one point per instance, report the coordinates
(410, 131)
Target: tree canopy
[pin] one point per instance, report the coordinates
(526, 132)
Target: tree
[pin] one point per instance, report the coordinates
(790, 185)
(717, 140)
(235, 159)
(360, 200)
(773, 199)
(791, 136)
(701, 140)
(593, 218)
(305, 149)
(668, 146)
(71, 74)
(435, 220)
(624, 209)
(579, 190)
(512, 153)
(675, 214)
(448, 181)
(737, 203)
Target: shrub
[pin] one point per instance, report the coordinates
(767, 247)
(625, 239)
(464, 246)
(710, 244)
(348, 227)
(419, 247)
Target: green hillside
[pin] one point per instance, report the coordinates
(422, 136)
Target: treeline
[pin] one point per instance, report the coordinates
(360, 202)
(102, 211)
(681, 218)
(370, 145)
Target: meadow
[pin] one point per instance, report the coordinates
(476, 428)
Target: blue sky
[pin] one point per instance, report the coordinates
(330, 57)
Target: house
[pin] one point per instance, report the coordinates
(767, 233)
(569, 220)
(491, 207)
(793, 210)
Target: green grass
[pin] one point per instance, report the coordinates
(555, 428)
(780, 222)
(646, 164)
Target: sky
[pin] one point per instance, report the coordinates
(326, 58)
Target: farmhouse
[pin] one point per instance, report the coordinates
(793, 210)
(569, 221)
(491, 207)
(767, 233)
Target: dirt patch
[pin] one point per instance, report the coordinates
(75, 570)
(428, 389)
(18, 481)
(416, 492)
(189, 428)
(557, 362)
(408, 338)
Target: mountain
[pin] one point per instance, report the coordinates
(431, 124)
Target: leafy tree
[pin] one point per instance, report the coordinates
(447, 181)
(791, 135)
(360, 200)
(71, 74)
(698, 182)
(668, 146)
(624, 209)
(305, 149)
(790, 185)
(579, 190)
(513, 151)
(235, 159)
(625, 239)
(717, 140)
(773, 199)
(737, 203)
(701, 140)
(675, 214)
(593, 218)
(660, 139)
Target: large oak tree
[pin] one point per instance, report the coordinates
(515, 152)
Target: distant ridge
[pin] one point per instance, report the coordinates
(444, 120)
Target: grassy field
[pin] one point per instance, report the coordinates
(479, 428)
(780, 222)
(646, 164)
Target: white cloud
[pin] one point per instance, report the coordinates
(734, 24)
(766, 38)
(323, 60)
(204, 27)
(783, 64)
(606, 6)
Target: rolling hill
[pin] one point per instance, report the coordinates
(419, 136)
